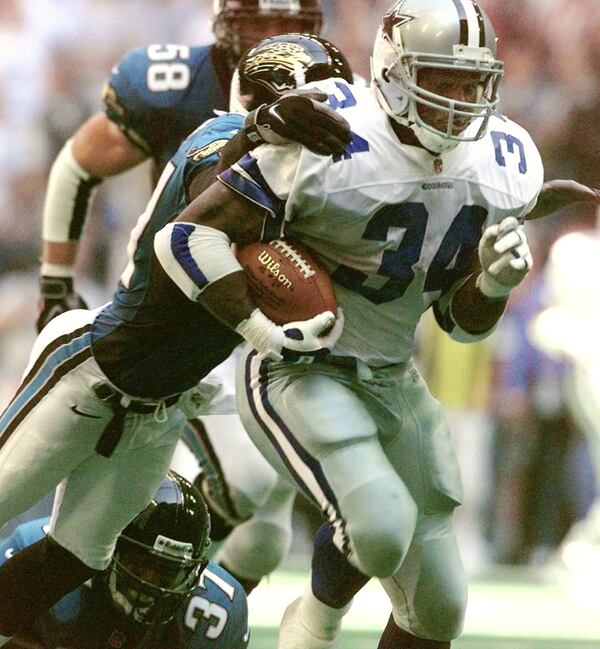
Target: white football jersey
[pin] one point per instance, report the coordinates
(393, 224)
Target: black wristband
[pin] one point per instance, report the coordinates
(56, 288)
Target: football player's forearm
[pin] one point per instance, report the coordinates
(59, 253)
(228, 300)
(195, 251)
(68, 200)
(473, 311)
(98, 149)
(236, 148)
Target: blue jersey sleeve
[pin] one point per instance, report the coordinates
(216, 616)
(23, 536)
(201, 149)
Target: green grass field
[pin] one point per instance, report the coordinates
(506, 611)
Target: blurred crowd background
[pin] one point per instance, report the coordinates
(526, 463)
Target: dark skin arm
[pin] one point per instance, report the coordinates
(223, 209)
(556, 194)
(471, 309)
(236, 148)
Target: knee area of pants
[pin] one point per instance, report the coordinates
(378, 554)
(256, 485)
(258, 551)
(444, 618)
(381, 542)
(275, 544)
(380, 528)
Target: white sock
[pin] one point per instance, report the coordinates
(320, 615)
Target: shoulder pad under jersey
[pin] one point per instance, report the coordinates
(509, 167)
(201, 149)
(160, 93)
(216, 615)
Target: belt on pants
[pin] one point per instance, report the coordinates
(121, 404)
(363, 370)
(348, 362)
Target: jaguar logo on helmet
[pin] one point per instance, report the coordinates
(290, 58)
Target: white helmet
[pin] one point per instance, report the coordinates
(440, 34)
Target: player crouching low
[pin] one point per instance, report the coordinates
(158, 591)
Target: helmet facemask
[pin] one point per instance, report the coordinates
(239, 25)
(149, 585)
(396, 74)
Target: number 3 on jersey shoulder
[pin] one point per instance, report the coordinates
(345, 99)
(511, 142)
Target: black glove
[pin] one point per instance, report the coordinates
(299, 116)
(56, 297)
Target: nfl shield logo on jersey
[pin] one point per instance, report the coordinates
(438, 166)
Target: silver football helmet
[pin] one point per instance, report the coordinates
(451, 35)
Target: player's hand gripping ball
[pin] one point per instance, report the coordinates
(286, 282)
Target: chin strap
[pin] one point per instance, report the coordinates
(434, 143)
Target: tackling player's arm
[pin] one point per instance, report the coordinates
(298, 116)
(195, 252)
(556, 194)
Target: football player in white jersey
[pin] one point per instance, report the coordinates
(424, 209)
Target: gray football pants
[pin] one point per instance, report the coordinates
(371, 449)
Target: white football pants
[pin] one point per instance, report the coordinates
(371, 448)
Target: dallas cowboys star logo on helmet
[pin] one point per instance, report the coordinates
(394, 18)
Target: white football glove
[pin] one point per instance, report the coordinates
(295, 342)
(505, 258)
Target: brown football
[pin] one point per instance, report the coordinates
(285, 281)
